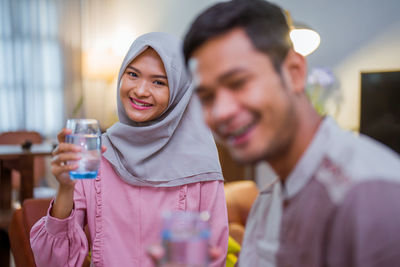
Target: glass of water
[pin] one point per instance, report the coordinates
(185, 238)
(86, 134)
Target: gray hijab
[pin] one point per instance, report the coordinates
(175, 149)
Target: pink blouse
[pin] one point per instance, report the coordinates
(123, 221)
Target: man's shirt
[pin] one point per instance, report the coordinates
(340, 206)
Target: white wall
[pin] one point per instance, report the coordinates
(381, 53)
(356, 35)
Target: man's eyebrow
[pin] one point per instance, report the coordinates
(220, 79)
(229, 74)
(200, 89)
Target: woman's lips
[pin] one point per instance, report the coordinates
(139, 104)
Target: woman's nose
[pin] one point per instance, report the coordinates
(142, 89)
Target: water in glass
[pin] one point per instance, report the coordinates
(86, 134)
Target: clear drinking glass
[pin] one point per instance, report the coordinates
(86, 134)
(185, 238)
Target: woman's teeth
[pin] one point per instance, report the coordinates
(141, 104)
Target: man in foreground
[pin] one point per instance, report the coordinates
(337, 201)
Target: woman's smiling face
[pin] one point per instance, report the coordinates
(144, 89)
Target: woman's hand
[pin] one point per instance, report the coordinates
(62, 153)
(157, 252)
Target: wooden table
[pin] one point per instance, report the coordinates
(14, 157)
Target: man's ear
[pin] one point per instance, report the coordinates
(296, 67)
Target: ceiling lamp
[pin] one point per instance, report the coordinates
(305, 40)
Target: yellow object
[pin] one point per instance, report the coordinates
(233, 249)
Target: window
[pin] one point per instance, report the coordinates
(31, 68)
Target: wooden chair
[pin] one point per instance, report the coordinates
(21, 223)
(239, 196)
(19, 137)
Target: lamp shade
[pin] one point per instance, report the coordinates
(305, 40)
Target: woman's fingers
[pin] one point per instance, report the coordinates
(215, 252)
(156, 253)
(65, 148)
(63, 153)
(64, 157)
(61, 159)
(61, 135)
(58, 169)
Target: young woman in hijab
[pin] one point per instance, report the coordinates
(159, 156)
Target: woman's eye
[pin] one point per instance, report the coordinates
(133, 74)
(159, 82)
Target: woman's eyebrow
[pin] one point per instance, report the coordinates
(159, 76)
(133, 68)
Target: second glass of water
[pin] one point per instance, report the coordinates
(86, 134)
(185, 238)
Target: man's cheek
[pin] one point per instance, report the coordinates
(208, 117)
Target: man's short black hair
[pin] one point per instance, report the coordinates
(264, 23)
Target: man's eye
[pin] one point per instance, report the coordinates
(205, 98)
(237, 84)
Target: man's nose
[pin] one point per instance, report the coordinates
(225, 106)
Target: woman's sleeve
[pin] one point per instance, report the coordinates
(213, 201)
(61, 242)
